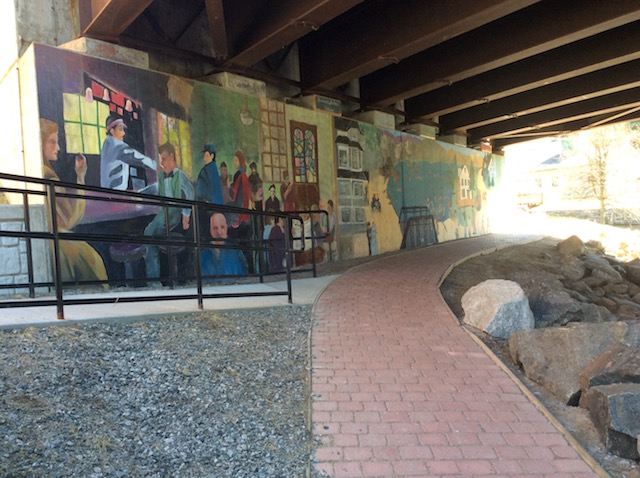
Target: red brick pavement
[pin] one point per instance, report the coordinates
(399, 389)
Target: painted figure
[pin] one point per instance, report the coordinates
(208, 188)
(256, 188)
(116, 157)
(224, 183)
(239, 189)
(376, 206)
(218, 261)
(328, 226)
(173, 183)
(272, 203)
(78, 260)
(287, 193)
(277, 255)
(311, 251)
(372, 236)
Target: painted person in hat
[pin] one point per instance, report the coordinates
(208, 188)
(117, 157)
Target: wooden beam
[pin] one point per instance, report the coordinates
(599, 83)
(385, 33)
(561, 128)
(107, 19)
(585, 109)
(528, 32)
(601, 51)
(218, 28)
(267, 27)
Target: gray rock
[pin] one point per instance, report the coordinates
(550, 303)
(571, 246)
(498, 307)
(571, 267)
(554, 357)
(601, 270)
(619, 288)
(614, 410)
(628, 312)
(632, 269)
(632, 335)
(553, 307)
(592, 313)
(620, 363)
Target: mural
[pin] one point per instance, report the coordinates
(129, 129)
(143, 131)
(390, 183)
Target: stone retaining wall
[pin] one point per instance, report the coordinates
(13, 250)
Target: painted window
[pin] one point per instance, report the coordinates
(353, 196)
(465, 184)
(178, 134)
(84, 124)
(274, 140)
(305, 153)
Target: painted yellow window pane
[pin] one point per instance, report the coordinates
(89, 111)
(73, 135)
(102, 134)
(103, 113)
(91, 143)
(70, 105)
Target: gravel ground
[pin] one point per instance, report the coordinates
(211, 394)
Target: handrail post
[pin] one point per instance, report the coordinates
(287, 245)
(57, 275)
(195, 215)
(27, 228)
(313, 246)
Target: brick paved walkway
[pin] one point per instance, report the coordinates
(401, 390)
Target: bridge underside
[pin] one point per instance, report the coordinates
(502, 71)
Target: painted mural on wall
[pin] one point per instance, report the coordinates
(129, 129)
(399, 190)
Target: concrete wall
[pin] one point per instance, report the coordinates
(13, 251)
(51, 22)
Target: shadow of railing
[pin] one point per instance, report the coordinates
(119, 237)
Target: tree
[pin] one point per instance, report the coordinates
(599, 146)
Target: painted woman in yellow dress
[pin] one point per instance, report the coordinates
(78, 260)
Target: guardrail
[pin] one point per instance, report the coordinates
(132, 243)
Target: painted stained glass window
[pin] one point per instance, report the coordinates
(305, 153)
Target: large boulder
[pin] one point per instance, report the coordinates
(498, 307)
(554, 357)
(550, 303)
(614, 410)
(620, 363)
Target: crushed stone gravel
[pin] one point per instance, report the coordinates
(211, 394)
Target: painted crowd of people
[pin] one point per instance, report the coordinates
(231, 234)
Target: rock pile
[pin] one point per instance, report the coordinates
(585, 344)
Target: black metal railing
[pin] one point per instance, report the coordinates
(125, 240)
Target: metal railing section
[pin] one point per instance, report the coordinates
(190, 243)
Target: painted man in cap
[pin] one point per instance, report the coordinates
(117, 156)
(208, 184)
